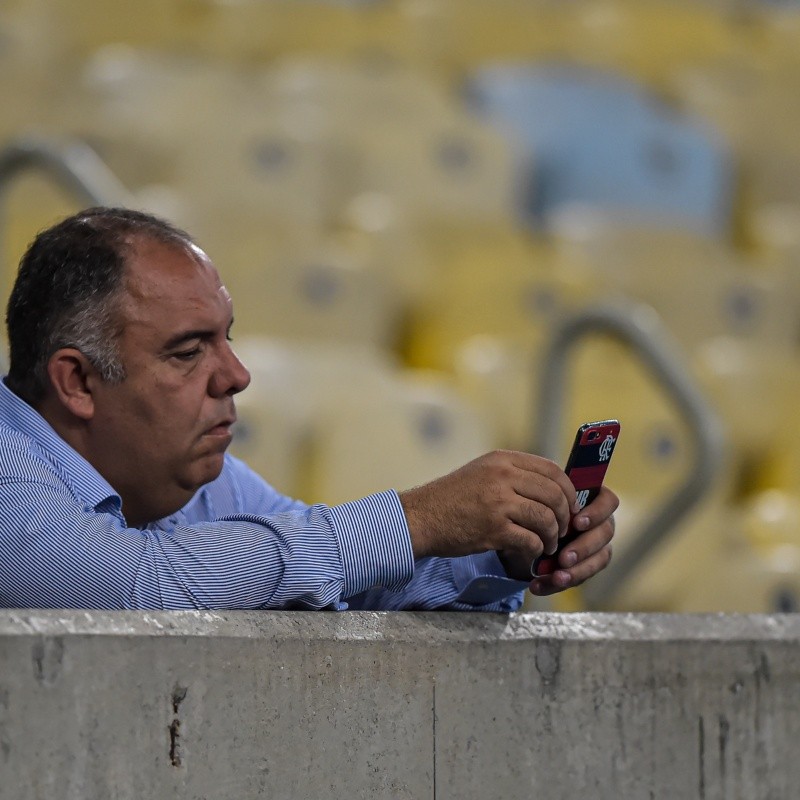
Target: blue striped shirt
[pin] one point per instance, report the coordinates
(238, 543)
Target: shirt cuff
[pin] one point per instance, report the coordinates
(375, 543)
(481, 580)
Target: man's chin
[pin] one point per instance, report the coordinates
(206, 468)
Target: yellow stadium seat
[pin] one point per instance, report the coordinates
(452, 168)
(296, 388)
(356, 421)
(242, 31)
(491, 280)
(446, 37)
(686, 555)
(140, 108)
(327, 290)
(408, 138)
(607, 381)
(753, 102)
(257, 31)
(272, 434)
(394, 435)
(755, 389)
(27, 60)
(779, 467)
(648, 38)
(700, 286)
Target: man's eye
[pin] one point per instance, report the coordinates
(187, 355)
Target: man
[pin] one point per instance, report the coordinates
(116, 490)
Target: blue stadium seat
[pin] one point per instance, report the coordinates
(600, 140)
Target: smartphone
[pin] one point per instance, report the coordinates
(586, 467)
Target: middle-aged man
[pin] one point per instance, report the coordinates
(116, 490)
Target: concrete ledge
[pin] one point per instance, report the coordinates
(359, 704)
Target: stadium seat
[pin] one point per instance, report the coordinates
(453, 168)
(601, 141)
(409, 137)
(779, 465)
(273, 432)
(27, 60)
(649, 39)
(607, 381)
(398, 434)
(358, 422)
(726, 558)
(737, 96)
(327, 290)
(296, 388)
(447, 37)
(736, 321)
(248, 31)
(140, 108)
(687, 555)
(755, 389)
(700, 286)
(492, 280)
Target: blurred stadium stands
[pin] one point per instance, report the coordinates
(417, 192)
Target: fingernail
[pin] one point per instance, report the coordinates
(570, 558)
(581, 522)
(536, 587)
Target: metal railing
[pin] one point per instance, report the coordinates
(640, 328)
(71, 164)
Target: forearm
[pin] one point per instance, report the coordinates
(296, 559)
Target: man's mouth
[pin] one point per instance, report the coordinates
(222, 428)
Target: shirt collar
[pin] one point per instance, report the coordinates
(90, 486)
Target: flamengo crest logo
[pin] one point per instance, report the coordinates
(606, 447)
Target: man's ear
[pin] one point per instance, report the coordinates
(72, 377)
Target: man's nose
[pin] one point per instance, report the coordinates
(231, 377)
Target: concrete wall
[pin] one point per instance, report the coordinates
(95, 706)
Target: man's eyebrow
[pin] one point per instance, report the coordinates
(183, 337)
(187, 336)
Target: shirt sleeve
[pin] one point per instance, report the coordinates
(238, 545)
(471, 583)
(62, 554)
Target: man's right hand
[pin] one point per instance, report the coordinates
(505, 500)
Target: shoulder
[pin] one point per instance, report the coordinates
(21, 459)
(239, 490)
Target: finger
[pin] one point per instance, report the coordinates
(587, 544)
(540, 519)
(565, 579)
(547, 500)
(524, 544)
(549, 469)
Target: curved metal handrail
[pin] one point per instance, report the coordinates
(72, 164)
(639, 327)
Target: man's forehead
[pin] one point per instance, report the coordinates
(159, 268)
(171, 288)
